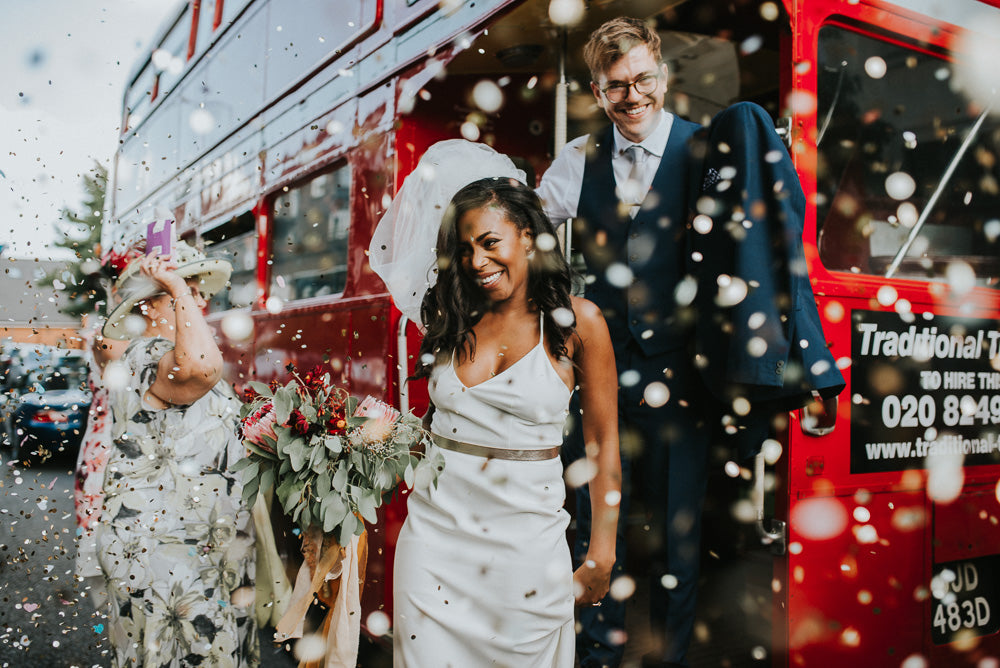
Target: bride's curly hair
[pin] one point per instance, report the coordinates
(455, 303)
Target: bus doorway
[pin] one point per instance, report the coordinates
(718, 53)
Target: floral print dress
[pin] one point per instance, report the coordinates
(88, 492)
(175, 540)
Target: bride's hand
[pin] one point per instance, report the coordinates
(592, 580)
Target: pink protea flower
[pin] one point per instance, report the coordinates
(259, 424)
(381, 416)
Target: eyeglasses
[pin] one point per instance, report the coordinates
(644, 85)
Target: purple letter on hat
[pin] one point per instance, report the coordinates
(158, 236)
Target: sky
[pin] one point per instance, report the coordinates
(66, 65)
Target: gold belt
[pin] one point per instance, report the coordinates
(496, 453)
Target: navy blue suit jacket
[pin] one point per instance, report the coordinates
(767, 346)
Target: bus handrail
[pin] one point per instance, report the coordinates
(932, 202)
(775, 536)
(402, 350)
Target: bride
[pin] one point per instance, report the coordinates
(482, 571)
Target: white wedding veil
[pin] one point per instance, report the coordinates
(403, 248)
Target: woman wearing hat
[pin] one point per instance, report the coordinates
(174, 540)
(95, 446)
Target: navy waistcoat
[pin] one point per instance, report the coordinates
(635, 264)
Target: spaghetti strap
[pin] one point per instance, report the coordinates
(541, 327)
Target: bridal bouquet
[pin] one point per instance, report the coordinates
(329, 458)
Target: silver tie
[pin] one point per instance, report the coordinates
(633, 186)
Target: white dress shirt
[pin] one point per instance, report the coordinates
(563, 180)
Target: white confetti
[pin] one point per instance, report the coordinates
(545, 242)
(201, 121)
(311, 647)
(771, 450)
(237, 326)
(622, 588)
(488, 96)
(563, 316)
(656, 394)
(273, 305)
(378, 623)
(819, 518)
(875, 67)
(580, 472)
(629, 378)
(900, 185)
(566, 12)
(619, 275)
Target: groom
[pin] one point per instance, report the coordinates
(633, 246)
(630, 190)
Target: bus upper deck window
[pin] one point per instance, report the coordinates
(309, 247)
(884, 147)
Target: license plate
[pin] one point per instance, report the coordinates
(966, 598)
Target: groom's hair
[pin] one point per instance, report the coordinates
(613, 39)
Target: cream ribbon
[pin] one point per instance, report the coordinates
(272, 589)
(344, 619)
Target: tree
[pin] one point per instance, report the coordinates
(79, 230)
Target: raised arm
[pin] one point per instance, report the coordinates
(194, 366)
(597, 378)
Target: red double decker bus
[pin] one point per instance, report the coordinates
(276, 132)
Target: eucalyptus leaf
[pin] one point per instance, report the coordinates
(245, 463)
(294, 496)
(317, 457)
(284, 489)
(250, 490)
(260, 452)
(260, 388)
(324, 484)
(367, 505)
(348, 529)
(297, 452)
(334, 510)
(333, 444)
(267, 479)
(282, 405)
(340, 477)
(285, 437)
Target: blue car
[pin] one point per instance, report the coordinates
(47, 410)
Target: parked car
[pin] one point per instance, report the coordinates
(47, 406)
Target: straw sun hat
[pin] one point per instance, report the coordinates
(133, 287)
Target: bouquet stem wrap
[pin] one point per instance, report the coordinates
(334, 573)
(273, 591)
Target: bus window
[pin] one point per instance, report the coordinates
(235, 241)
(318, 27)
(206, 24)
(225, 89)
(230, 10)
(139, 97)
(890, 123)
(171, 56)
(309, 252)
